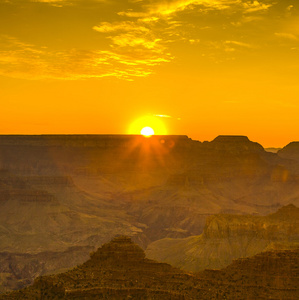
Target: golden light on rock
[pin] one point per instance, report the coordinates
(147, 131)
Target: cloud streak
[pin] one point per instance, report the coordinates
(61, 3)
(286, 35)
(126, 26)
(22, 60)
(174, 6)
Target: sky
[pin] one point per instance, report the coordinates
(196, 67)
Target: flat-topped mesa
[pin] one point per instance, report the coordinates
(232, 139)
(236, 142)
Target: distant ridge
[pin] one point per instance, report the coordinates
(80, 139)
(13, 139)
(231, 139)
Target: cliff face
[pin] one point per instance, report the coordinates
(119, 270)
(228, 237)
(280, 226)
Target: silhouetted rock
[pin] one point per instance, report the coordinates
(119, 270)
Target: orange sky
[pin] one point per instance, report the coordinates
(95, 66)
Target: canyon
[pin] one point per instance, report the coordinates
(63, 196)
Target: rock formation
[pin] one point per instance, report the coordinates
(119, 270)
(228, 237)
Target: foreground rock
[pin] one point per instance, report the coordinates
(119, 270)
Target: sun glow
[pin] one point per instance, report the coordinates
(147, 131)
(148, 126)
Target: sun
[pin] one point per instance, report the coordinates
(147, 126)
(147, 131)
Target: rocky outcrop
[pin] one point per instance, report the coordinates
(119, 270)
(228, 237)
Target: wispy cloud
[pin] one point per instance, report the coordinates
(56, 3)
(286, 35)
(155, 24)
(170, 7)
(255, 6)
(120, 26)
(61, 3)
(139, 38)
(167, 117)
(144, 34)
(173, 6)
(131, 40)
(240, 44)
(22, 60)
(130, 34)
(163, 116)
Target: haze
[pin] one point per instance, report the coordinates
(94, 66)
